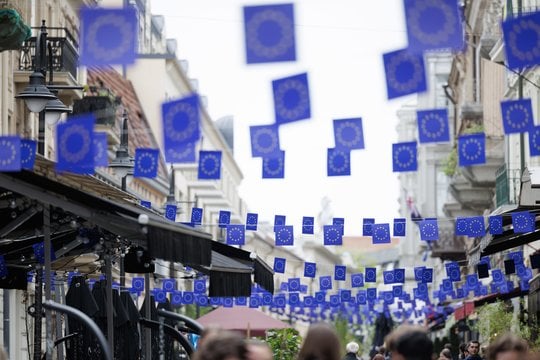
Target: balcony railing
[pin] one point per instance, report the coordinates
(507, 185)
(65, 54)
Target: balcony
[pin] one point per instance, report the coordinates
(65, 55)
(507, 186)
(448, 247)
(475, 198)
(484, 175)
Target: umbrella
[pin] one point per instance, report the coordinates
(249, 321)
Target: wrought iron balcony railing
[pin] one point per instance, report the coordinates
(507, 185)
(65, 54)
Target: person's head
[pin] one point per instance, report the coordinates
(446, 354)
(222, 345)
(474, 347)
(448, 346)
(408, 342)
(258, 350)
(321, 342)
(507, 347)
(382, 350)
(463, 348)
(352, 347)
(378, 357)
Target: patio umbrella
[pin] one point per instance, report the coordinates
(249, 321)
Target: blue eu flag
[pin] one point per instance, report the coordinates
(307, 225)
(264, 141)
(325, 282)
(517, 116)
(404, 157)
(370, 275)
(338, 162)
(472, 149)
(310, 268)
(181, 128)
(251, 221)
(269, 33)
(429, 230)
(273, 167)
(108, 36)
(28, 153)
(434, 25)
(332, 235)
(74, 144)
(534, 141)
(477, 226)
(400, 226)
(462, 226)
(357, 280)
(348, 133)
(279, 265)
(285, 236)
(236, 235)
(10, 153)
(381, 234)
(367, 226)
(146, 163)
(209, 165)
(405, 73)
(522, 41)
(523, 222)
(224, 218)
(196, 216)
(433, 126)
(495, 224)
(291, 98)
(340, 272)
(170, 212)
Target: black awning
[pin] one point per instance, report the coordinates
(491, 244)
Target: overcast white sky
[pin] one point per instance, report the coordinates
(340, 45)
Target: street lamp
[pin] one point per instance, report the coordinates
(122, 163)
(36, 94)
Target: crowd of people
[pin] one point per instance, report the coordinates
(321, 342)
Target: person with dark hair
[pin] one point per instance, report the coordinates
(445, 354)
(321, 343)
(258, 350)
(463, 352)
(222, 345)
(408, 342)
(473, 348)
(508, 347)
(351, 350)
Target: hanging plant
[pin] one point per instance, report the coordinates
(13, 30)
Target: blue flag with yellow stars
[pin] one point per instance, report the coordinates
(269, 33)
(381, 234)
(348, 133)
(325, 282)
(224, 218)
(522, 41)
(370, 275)
(400, 226)
(462, 226)
(74, 144)
(279, 265)
(137, 283)
(10, 153)
(291, 99)
(236, 235)
(285, 236)
(170, 212)
(199, 286)
(477, 226)
(357, 280)
(264, 141)
(517, 116)
(405, 73)
(101, 156)
(523, 222)
(472, 149)
(429, 230)
(196, 216)
(146, 204)
(495, 224)
(338, 162)
(28, 153)
(340, 272)
(273, 167)
(181, 128)
(367, 226)
(433, 126)
(308, 225)
(332, 235)
(404, 157)
(209, 165)
(534, 141)
(434, 25)
(146, 163)
(339, 222)
(252, 220)
(310, 268)
(108, 36)
(168, 285)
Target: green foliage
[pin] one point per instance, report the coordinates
(285, 343)
(498, 318)
(450, 163)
